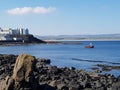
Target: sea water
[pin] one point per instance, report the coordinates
(71, 54)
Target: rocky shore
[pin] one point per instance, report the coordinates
(26, 72)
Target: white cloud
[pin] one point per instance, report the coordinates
(43, 10)
(26, 10)
(19, 11)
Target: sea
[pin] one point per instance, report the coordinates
(72, 53)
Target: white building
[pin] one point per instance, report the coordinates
(23, 31)
(4, 31)
(6, 34)
(19, 31)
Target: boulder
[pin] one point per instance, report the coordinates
(23, 77)
(23, 67)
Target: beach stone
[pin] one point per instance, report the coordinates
(45, 61)
(9, 83)
(116, 86)
(74, 87)
(54, 83)
(62, 86)
(23, 67)
(23, 77)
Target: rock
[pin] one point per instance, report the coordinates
(23, 77)
(74, 87)
(62, 87)
(54, 83)
(46, 87)
(116, 86)
(44, 61)
(9, 83)
(23, 67)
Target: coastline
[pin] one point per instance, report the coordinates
(56, 40)
(61, 77)
(34, 40)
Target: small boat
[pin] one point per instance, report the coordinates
(89, 46)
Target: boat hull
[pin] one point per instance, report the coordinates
(89, 46)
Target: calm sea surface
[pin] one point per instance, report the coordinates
(65, 55)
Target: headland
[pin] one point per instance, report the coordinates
(19, 36)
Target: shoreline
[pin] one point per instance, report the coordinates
(81, 40)
(68, 77)
(13, 43)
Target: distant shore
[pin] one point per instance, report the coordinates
(99, 37)
(82, 40)
(35, 40)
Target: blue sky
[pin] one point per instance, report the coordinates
(62, 17)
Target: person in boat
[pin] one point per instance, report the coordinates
(90, 44)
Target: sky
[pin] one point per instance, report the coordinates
(62, 17)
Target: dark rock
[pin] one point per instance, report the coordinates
(46, 87)
(105, 67)
(44, 61)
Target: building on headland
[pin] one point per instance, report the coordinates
(19, 35)
(18, 31)
(13, 34)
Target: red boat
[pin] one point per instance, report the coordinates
(89, 46)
